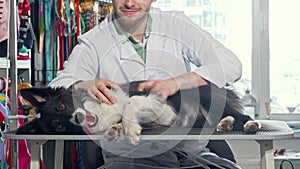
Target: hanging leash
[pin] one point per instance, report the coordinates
(48, 56)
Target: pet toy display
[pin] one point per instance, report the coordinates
(88, 13)
(5, 121)
(72, 18)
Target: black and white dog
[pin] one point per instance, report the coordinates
(53, 109)
(64, 111)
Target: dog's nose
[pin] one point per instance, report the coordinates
(79, 117)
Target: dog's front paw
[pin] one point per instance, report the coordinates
(226, 124)
(252, 126)
(132, 130)
(114, 133)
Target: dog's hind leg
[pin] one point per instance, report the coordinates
(114, 132)
(238, 122)
(131, 127)
(226, 124)
(252, 126)
(234, 108)
(145, 109)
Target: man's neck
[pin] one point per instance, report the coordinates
(138, 31)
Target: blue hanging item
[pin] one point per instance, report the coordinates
(49, 59)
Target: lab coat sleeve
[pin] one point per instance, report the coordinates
(81, 65)
(214, 61)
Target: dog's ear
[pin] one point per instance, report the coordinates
(36, 96)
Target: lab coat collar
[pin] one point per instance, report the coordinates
(154, 14)
(122, 40)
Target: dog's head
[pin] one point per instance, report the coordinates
(53, 108)
(88, 116)
(94, 116)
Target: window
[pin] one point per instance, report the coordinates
(207, 2)
(265, 36)
(164, 3)
(193, 3)
(220, 19)
(284, 56)
(196, 19)
(229, 21)
(207, 18)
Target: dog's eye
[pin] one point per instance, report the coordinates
(61, 107)
(58, 125)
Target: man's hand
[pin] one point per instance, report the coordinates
(169, 87)
(163, 88)
(99, 89)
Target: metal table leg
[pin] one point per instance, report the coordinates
(35, 150)
(59, 154)
(266, 154)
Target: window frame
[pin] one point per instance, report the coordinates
(260, 78)
(260, 56)
(260, 62)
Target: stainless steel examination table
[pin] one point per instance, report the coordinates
(264, 138)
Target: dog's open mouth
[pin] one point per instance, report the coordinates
(90, 121)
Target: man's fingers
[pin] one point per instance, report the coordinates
(100, 89)
(111, 84)
(145, 85)
(105, 95)
(98, 95)
(91, 93)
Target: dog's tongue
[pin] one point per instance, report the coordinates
(90, 119)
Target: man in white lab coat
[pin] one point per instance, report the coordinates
(138, 42)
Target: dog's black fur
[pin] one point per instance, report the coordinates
(55, 107)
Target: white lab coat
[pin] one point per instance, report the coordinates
(174, 42)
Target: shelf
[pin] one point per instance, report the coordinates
(21, 64)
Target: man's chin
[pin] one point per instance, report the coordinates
(129, 21)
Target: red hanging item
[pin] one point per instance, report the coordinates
(60, 31)
(78, 23)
